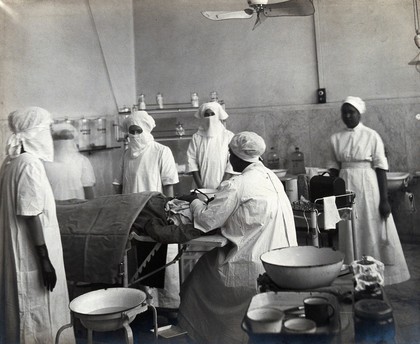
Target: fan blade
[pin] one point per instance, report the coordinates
(259, 21)
(290, 8)
(222, 15)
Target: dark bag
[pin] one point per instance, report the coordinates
(324, 186)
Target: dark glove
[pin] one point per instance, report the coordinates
(384, 208)
(189, 198)
(48, 271)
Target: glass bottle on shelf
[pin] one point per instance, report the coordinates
(179, 130)
(142, 102)
(298, 162)
(195, 100)
(159, 100)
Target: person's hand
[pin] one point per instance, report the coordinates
(384, 208)
(188, 198)
(48, 272)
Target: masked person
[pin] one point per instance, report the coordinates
(150, 166)
(208, 156)
(146, 165)
(256, 216)
(33, 290)
(71, 174)
(358, 156)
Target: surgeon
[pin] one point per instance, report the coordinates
(208, 155)
(255, 215)
(146, 165)
(33, 290)
(71, 174)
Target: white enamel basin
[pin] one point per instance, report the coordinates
(397, 180)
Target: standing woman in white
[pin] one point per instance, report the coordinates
(358, 156)
(33, 290)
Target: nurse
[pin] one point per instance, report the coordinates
(358, 156)
(208, 157)
(71, 174)
(255, 215)
(33, 290)
(146, 165)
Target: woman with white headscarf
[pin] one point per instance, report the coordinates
(358, 156)
(146, 165)
(255, 215)
(71, 174)
(208, 150)
(33, 290)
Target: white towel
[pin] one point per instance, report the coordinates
(331, 215)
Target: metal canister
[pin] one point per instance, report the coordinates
(99, 137)
(373, 322)
(159, 100)
(84, 133)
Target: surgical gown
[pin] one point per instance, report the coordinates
(29, 313)
(68, 178)
(255, 215)
(149, 171)
(357, 153)
(209, 155)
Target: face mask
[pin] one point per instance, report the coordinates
(138, 142)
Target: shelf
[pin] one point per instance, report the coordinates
(173, 138)
(171, 108)
(97, 149)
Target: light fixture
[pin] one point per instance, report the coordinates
(416, 61)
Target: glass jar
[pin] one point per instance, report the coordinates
(373, 322)
(159, 100)
(141, 104)
(84, 134)
(195, 100)
(298, 162)
(273, 159)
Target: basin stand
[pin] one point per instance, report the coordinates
(127, 329)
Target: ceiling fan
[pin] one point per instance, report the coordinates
(263, 10)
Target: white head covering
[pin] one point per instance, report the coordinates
(211, 126)
(248, 146)
(137, 143)
(31, 130)
(64, 131)
(357, 102)
(64, 136)
(140, 118)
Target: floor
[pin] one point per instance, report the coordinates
(404, 297)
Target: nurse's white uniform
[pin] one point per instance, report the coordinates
(154, 167)
(70, 171)
(209, 155)
(29, 313)
(256, 216)
(356, 153)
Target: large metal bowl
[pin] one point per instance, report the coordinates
(108, 309)
(302, 267)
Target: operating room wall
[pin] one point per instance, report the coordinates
(54, 55)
